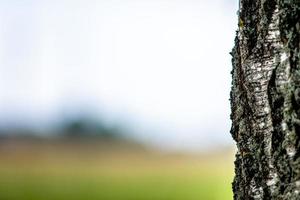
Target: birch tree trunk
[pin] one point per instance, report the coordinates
(265, 100)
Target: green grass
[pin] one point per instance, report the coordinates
(101, 187)
(114, 177)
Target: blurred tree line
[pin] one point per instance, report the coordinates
(78, 128)
(89, 128)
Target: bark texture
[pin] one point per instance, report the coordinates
(265, 100)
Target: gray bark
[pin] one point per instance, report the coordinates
(265, 100)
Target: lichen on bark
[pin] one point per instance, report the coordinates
(265, 100)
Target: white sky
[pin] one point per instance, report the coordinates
(163, 65)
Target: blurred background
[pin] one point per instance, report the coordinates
(116, 99)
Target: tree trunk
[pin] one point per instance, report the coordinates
(265, 100)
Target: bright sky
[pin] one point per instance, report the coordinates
(162, 65)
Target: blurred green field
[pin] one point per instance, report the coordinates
(80, 173)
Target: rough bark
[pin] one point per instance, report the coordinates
(265, 100)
